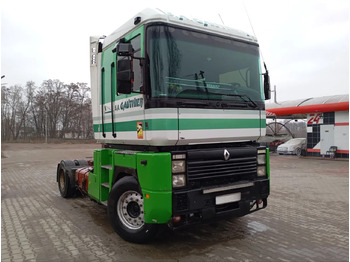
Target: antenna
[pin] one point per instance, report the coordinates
(266, 74)
(251, 25)
(221, 19)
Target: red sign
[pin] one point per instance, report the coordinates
(315, 119)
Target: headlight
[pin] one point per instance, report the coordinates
(178, 166)
(262, 159)
(261, 170)
(261, 162)
(179, 180)
(178, 169)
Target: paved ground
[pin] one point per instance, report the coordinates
(307, 218)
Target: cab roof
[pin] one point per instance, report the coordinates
(156, 15)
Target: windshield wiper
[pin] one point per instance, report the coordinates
(230, 105)
(201, 73)
(241, 96)
(193, 103)
(250, 100)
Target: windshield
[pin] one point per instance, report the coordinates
(190, 65)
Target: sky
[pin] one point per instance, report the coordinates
(304, 43)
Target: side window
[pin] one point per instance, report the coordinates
(138, 81)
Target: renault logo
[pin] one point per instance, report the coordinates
(226, 155)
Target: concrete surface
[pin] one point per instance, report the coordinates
(307, 218)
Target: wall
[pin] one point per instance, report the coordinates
(340, 120)
(341, 132)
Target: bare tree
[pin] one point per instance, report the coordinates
(53, 90)
(5, 113)
(55, 107)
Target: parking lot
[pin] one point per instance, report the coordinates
(307, 217)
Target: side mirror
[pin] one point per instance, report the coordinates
(267, 87)
(123, 49)
(125, 76)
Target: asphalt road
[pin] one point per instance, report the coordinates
(307, 218)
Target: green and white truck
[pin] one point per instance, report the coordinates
(178, 105)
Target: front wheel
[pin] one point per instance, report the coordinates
(126, 212)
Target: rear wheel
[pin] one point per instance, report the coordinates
(64, 185)
(298, 151)
(126, 212)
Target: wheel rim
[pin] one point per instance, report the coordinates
(62, 180)
(130, 210)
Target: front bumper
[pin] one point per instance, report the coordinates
(284, 152)
(199, 205)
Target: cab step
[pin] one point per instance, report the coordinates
(106, 185)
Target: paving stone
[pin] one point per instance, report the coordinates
(306, 218)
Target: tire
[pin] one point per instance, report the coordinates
(298, 151)
(64, 186)
(126, 214)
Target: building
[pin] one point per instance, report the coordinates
(327, 122)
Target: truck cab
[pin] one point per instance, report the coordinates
(184, 82)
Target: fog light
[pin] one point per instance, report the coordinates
(176, 219)
(261, 171)
(179, 180)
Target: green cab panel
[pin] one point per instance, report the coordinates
(94, 181)
(93, 187)
(268, 165)
(125, 160)
(154, 174)
(157, 206)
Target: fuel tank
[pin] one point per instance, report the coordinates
(82, 177)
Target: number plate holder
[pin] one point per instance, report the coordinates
(229, 198)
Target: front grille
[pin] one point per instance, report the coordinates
(211, 172)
